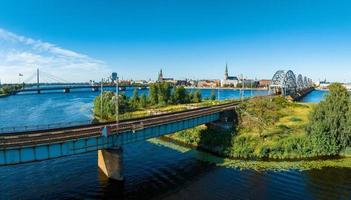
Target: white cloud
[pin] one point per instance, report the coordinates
(19, 54)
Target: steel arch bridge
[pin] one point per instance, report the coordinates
(287, 84)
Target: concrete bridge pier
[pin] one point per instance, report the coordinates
(110, 161)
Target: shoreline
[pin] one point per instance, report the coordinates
(226, 88)
(4, 95)
(214, 153)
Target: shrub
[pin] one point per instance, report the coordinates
(330, 122)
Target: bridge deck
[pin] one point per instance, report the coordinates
(32, 138)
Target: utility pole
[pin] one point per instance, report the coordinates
(37, 77)
(101, 108)
(242, 88)
(117, 106)
(251, 87)
(218, 92)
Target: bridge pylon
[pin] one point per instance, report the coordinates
(110, 161)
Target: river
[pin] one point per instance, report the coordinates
(153, 170)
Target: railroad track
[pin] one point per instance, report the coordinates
(57, 135)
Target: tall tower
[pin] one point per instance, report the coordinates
(226, 72)
(160, 75)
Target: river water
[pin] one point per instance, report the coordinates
(152, 170)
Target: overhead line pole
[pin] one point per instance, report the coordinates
(101, 110)
(117, 104)
(37, 77)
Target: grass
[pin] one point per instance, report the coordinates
(268, 128)
(154, 110)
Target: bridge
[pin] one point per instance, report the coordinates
(286, 83)
(66, 88)
(106, 138)
(33, 84)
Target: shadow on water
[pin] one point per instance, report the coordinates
(329, 183)
(150, 171)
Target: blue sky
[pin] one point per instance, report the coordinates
(83, 40)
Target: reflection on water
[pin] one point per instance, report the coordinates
(156, 171)
(329, 183)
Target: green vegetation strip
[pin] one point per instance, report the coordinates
(275, 129)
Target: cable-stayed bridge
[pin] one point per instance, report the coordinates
(41, 81)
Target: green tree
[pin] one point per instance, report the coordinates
(105, 105)
(213, 95)
(134, 101)
(329, 127)
(6, 89)
(123, 104)
(180, 95)
(153, 94)
(197, 98)
(164, 93)
(143, 101)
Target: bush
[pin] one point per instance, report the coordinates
(330, 122)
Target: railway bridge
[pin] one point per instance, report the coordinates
(106, 138)
(286, 83)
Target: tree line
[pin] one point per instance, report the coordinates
(8, 89)
(160, 94)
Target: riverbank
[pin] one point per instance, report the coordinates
(252, 164)
(268, 129)
(225, 88)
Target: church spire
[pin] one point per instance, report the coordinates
(160, 75)
(226, 72)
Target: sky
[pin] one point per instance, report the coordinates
(87, 40)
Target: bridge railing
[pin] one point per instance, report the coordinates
(43, 126)
(126, 116)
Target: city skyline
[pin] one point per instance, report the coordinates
(137, 40)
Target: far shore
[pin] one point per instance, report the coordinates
(225, 88)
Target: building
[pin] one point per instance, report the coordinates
(208, 83)
(183, 83)
(323, 84)
(141, 82)
(264, 83)
(163, 79)
(160, 76)
(113, 77)
(249, 83)
(229, 81)
(347, 86)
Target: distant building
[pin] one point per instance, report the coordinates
(163, 79)
(231, 81)
(208, 83)
(264, 83)
(160, 75)
(323, 84)
(142, 82)
(124, 82)
(347, 86)
(183, 83)
(113, 77)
